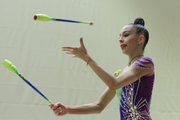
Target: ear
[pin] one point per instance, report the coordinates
(141, 39)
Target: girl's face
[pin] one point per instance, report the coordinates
(128, 39)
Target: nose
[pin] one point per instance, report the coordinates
(121, 40)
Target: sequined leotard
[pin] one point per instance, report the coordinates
(135, 98)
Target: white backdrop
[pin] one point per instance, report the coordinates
(35, 48)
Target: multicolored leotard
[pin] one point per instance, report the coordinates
(135, 98)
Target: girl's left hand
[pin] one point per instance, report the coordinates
(79, 52)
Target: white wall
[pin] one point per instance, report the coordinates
(35, 48)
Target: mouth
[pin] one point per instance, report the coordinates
(123, 46)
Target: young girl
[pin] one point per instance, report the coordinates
(133, 85)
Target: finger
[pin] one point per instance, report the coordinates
(51, 105)
(59, 114)
(81, 42)
(58, 111)
(69, 48)
(66, 48)
(55, 107)
(69, 52)
(74, 56)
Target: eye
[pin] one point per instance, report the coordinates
(126, 35)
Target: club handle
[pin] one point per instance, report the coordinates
(34, 88)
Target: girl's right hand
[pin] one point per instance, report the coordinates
(58, 109)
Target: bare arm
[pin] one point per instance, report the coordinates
(112, 82)
(96, 107)
(126, 78)
(91, 108)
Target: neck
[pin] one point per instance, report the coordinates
(134, 58)
(135, 54)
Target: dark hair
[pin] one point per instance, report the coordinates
(139, 25)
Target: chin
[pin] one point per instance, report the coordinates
(125, 53)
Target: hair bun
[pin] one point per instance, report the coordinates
(139, 21)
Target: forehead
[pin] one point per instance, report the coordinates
(127, 28)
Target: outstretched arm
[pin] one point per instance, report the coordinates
(112, 82)
(91, 108)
